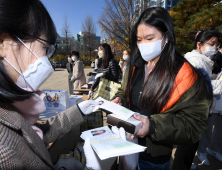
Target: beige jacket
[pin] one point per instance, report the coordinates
(78, 77)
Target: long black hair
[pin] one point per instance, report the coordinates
(26, 19)
(157, 88)
(108, 55)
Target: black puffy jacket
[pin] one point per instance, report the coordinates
(217, 59)
(111, 73)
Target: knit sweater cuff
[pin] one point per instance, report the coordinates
(152, 127)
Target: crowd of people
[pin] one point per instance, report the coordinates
(177, 93)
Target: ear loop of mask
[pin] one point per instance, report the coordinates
(17, 61)
(27, 47)
(16, 70)
(165, 43)
(12, 66)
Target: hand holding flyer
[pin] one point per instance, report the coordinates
(120, 111)
(121, 117)
(108, 144)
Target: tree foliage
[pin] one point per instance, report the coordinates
(190, 16)
(59, 57)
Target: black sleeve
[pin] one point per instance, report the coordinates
(95, 83)
(113, 72)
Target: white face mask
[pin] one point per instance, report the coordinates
(209, 51)
(101, 54)
(152, 50)
(36, 74)
(69, 60)
(74, 58)
(125, 57)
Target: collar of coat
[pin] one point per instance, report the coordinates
(184, 80)
(11, 118)
(194, 54)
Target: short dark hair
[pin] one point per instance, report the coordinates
(26, 19)
(97, 56)
(204, 36)
(76, 53)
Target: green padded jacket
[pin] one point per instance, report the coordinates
(184, 123)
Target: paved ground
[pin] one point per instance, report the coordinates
(59, 80)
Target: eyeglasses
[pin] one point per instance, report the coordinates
(49, 50)
(216, 45)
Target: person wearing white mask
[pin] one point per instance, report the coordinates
(107, 66)
(126, 57)
(78, 78)
(160, 84)
(206, 44)
(26, 44)
(69, 67)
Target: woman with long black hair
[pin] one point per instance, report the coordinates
(162, 85)
(107, 66)
(27, 41)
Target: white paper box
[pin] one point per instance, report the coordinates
(74, 100)
(56, 100)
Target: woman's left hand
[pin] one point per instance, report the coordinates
(87, 106)
(145, 126)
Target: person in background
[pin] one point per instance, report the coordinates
(96, 63)
(78, 78)
(200, 58)
(206, 43)
(160, 84)
(217, 59)
(107, 66)
(69, 67)
(27, 41)
(126, 58)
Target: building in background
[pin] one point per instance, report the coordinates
(141, 5)
(65, 47)
(80, 37)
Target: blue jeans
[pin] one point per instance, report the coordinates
(144, 165)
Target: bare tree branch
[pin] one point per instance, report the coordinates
(117, 20)
(89, 33)
(66, 33)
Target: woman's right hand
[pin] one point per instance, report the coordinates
(117, 101)
(92, 160)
